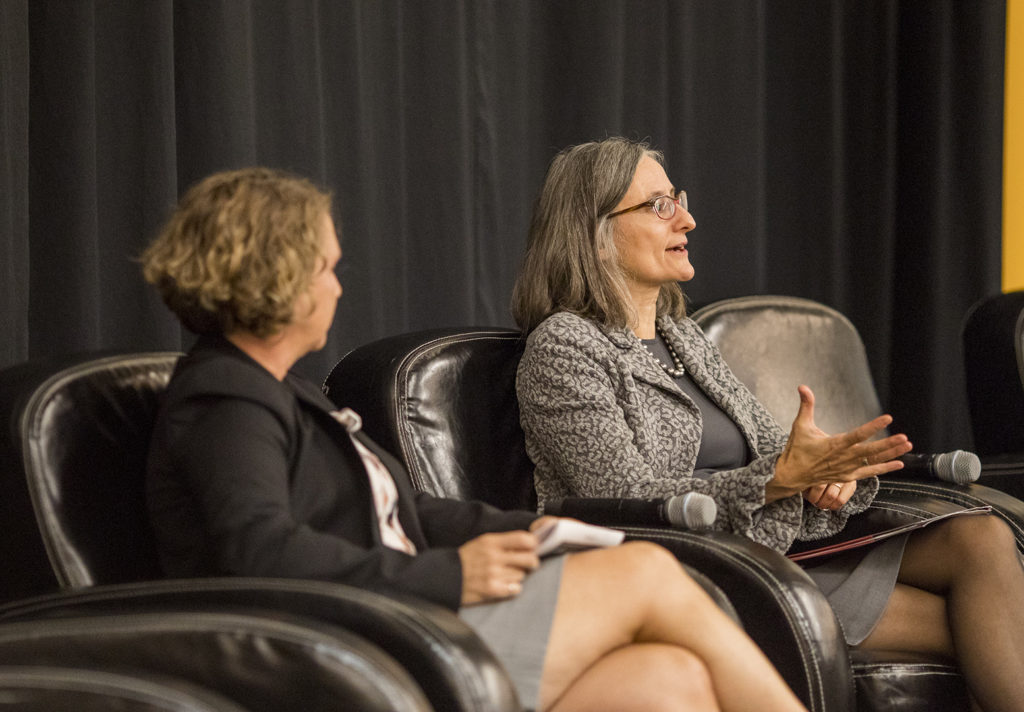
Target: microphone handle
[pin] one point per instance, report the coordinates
(610, 511)
(918, 462)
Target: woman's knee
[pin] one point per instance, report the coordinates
(674, 674)
(977, 538)
(643, 565)
(654, 677)
(644, 558)
(631, 582)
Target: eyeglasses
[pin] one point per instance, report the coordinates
(664, 205)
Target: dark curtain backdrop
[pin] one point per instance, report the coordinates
(848, 151)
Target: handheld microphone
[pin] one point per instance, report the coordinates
(959, 467)
(693, 510)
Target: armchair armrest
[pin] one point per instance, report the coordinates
(906, 492)
(1004, 472)
(779, 606)
(264, 662)
(452, 665)
(85, 689)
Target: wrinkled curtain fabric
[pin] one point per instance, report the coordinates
(844, 151)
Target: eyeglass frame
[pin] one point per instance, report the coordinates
(679, 199)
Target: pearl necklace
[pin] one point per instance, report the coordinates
(678, 371)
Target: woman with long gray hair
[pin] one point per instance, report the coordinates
(621, 395)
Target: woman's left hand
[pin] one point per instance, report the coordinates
(831, 496)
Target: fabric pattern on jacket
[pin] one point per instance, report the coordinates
(602, 419)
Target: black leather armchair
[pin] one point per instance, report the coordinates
(263, 664)
(75, 433)
(444, 401)
(40, 688)
(445, 656)
(775, 343)
(993, 348)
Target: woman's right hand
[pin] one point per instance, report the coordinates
(812, 457)
(494, 565)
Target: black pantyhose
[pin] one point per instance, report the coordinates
(960, 590)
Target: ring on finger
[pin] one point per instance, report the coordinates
(835, 484)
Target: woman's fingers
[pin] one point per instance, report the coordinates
(870, 459)
(812, 458)
(494, 565)
(855, 450)
(831, 495)
(890, 449)
(516, 540)
(509, 580)
(542, 521)
(806, 410)
(863, 432)
(857, 470)
(522, 561)
(804, 423)
(815, 493)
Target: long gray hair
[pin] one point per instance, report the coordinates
(571, 261)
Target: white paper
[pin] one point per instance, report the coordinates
(570, 535)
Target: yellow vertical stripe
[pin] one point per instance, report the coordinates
(1013, 150)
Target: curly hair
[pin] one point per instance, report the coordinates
(238, 251)
(571, 261)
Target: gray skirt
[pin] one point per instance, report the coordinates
(517, 629)
(859, 583)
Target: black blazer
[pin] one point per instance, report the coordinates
(252, 476)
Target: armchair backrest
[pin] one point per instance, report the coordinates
(993, 341)
(455, 412)
(774, 343)
(82, 438)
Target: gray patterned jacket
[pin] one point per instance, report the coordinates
(602, 419)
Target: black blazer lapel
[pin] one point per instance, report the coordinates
(322, 407)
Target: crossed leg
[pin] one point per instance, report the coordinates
(632, 631)
(960, 593)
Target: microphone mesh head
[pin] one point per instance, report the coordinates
(959, 466)
(692, 511)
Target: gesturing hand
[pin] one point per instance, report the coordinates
(830, 496)
(494, 565)
(813, 458)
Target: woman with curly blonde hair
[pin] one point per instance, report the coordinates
(220, 263)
